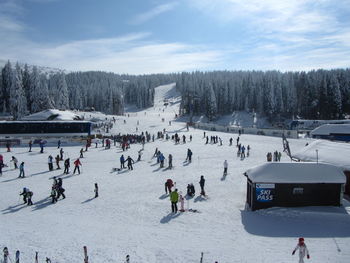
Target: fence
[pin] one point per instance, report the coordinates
(268, 132)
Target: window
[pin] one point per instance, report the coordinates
(298, 191)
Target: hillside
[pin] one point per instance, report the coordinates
(133, 216)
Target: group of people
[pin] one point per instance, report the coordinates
(176, 197)
(276, 156)
(57, 190)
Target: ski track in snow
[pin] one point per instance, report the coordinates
(132, 214)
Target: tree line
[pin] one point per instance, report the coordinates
(317, 94)
(25, 90)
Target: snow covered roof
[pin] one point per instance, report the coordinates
(328, 129)
(52, 114)
(335, 153)
(296, 173)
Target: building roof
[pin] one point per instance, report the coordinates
(296, 172)
(52, 114)
(328, 129)
(335, 153)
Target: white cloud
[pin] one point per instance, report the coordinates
(144, 17)
(132, 54)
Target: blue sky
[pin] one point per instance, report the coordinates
(161, 36)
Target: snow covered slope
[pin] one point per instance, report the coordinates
(132, 214)
(336, 153)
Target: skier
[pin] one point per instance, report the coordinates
(81, 153)
(17, 256)
(122, 161)
(77, 163)
(53, 194)
(207, 140)
(170, 160)
(66, 166)
(225, 167)
(302, 250)
(168, 185)
(29, 195)
(248, 150)
(161, 160)
(201, 183)
(231, 141)
(30, 145)
(190, 190)
(41, 144)
(60, 190)
(24, 193)
(191, 138)
(174, 198)
(6, 255)
(189, 155)
(59, 144)
(96, 190)
(8, 145)
(130, 162)
(57, 158)
(49, 161)
(139, 155)
(21, 170)
(15, 161)
(61, 154)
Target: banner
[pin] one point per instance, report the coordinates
(265, 192)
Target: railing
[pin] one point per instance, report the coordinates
(230, 129)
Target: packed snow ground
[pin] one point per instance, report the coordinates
(132, 214)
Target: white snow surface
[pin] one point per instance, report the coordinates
(296, 173)
(336, 153)
(328, 129)
(132, 214)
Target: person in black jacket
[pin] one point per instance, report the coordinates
(201, 183)
(130, 162)
(66, 166)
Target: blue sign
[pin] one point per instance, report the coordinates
(265, 192)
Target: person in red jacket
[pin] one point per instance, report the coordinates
(168, 185)
(77, 163)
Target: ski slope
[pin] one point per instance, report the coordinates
(132, 214)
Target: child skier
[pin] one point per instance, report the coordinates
(302, 250)
(182, 203)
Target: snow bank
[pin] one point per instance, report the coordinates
(296, 173)
(335, 153)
